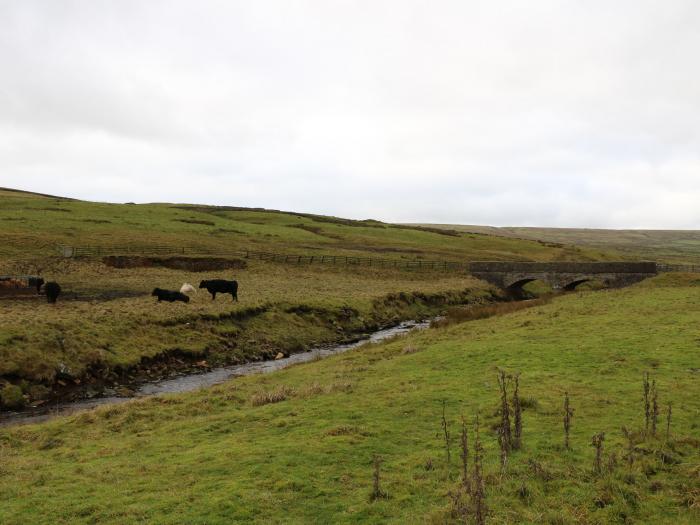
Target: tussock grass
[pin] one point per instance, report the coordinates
(274, 396)
(410, 349)
(229, 460)
(462, 314)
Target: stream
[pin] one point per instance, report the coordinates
(195, 381)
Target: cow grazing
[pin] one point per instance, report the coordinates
(188, 288)
(39, 283)
(53, 290)
(215, 286)
(169, 295)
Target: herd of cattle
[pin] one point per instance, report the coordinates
(53, 289)
(213, 286)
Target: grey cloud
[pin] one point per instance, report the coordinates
(552, 113)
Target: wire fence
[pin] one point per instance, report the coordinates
(358, 261)
(321, 259)
(686, 268)
(331, 260)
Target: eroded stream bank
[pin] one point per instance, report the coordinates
(190, 381)
(197, 343)
(194, 381)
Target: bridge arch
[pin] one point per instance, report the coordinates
(561, 275)
(520, 283)
(570, 287)
(573, 282)
(516, 286)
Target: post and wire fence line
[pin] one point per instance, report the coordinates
(685, 268)
(320, 259)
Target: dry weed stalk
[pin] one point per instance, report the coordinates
(612, 462)
(478, 489)
(647, 402)
(505, 410)
(517, 414)
(377, 491)
(654, 408)
(464, 444)
(503, 447)
(460, 506)
(597, 442)
(568, 414)
(629, 456)
(668, 421)
(446, 432)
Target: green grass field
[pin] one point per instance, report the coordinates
(667, 246)
(297, 446)
(33, 225)
(228, 455)
(107, 327)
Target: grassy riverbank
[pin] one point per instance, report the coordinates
(297, 446)
(106, 327)
(91, 339)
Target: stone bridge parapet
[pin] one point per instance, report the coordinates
(513, 276)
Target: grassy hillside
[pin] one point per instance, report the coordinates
(668, 246)
(107, 328)
(297, 446)
(32, 224)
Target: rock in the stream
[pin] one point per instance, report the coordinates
(64, 372)
(279, 355)
(124, 391)
(91, 393)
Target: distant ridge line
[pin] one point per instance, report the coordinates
(26, 192)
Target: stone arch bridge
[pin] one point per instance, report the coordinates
(512, 276)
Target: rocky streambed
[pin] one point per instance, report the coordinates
(187, 382)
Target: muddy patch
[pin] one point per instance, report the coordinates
(196, 221)
(315, 230)
(190, 264)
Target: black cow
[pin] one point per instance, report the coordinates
(169, 295)
(39, 283)
(215, 286)
(53, 290)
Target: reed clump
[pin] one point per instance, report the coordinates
(462, 314)
(272, 396)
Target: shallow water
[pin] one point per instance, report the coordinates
(195, 381)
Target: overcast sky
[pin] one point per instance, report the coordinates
(581, 113)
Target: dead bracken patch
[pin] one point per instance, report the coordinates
(317, 389)
(196, 221)
(340, 386)
(193, 264)
(273, 396)
(410, 349)
(461, 314)
(346, 430)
